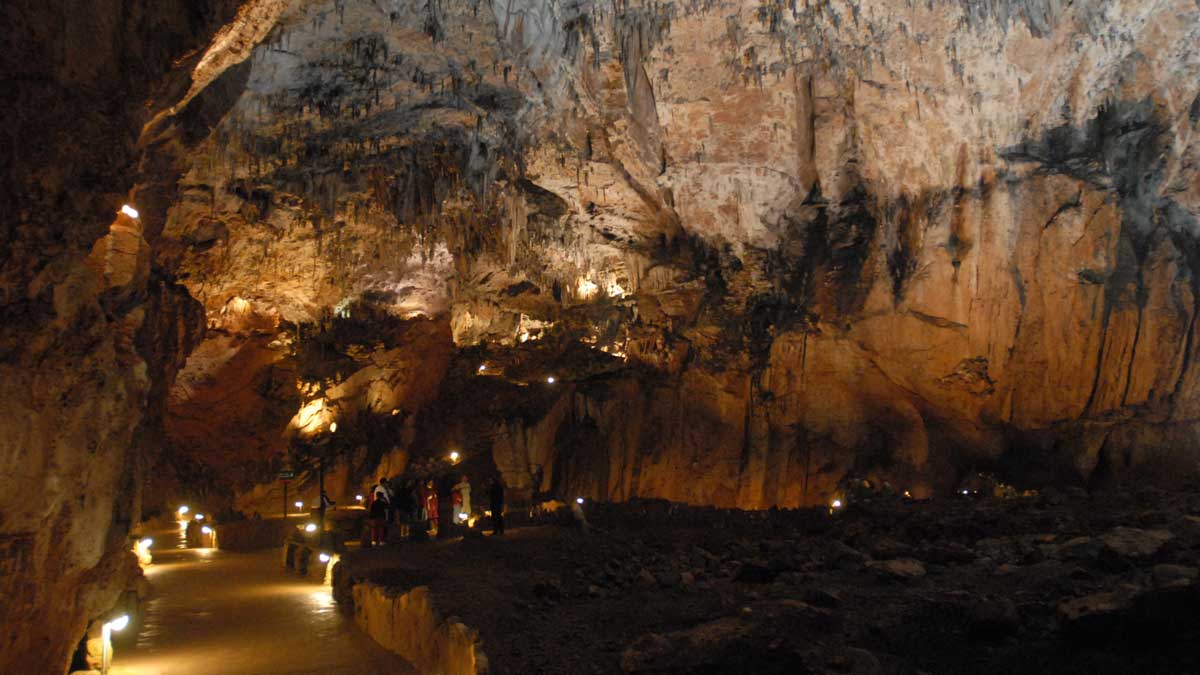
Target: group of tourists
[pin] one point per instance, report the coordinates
(414, 507)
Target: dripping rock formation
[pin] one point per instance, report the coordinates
(725, 253)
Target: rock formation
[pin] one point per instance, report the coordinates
(898, 239)
(759, 246)
(94, 331)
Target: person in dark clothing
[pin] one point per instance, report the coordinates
(402, 507)
(537, 484)
(496, 496)
(377, 520)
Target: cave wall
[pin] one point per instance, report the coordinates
(93, 332)
(908, 239)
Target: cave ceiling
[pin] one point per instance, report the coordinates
(946, 219)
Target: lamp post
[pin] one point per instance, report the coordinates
(321, 490)
(116, 625)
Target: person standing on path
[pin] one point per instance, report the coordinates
(381, 489)
(403, 506)
(496, 497)
(377, 519)
(430, 498)
(462, 500)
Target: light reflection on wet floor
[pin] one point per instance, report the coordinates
(241, 614)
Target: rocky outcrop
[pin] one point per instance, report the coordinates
(758, 246)
(93, 331)
(827, 238)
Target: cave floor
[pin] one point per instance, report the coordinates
(1058, 583)
(212, 611)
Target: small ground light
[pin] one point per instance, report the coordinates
(837, 504)
(358, 498)
(579, 500)
(324, 557)
(199, 516)
(966, 492)
(116, 625)
(454, 456)
(550, 380)
(206, 530)
(482, 367)
(311, 527)
(129, 211)
(183, 510)
(299, 505)
(332, 427)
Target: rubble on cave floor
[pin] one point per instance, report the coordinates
(1052, 583)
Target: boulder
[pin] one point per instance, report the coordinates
(1098, 614)
(1134, 545)
(900, 569)
(1171, 576)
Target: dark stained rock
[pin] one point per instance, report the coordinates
(902, 569)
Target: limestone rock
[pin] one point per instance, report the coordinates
(1129, 543)
(899, 569)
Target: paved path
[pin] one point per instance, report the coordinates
(213, 612)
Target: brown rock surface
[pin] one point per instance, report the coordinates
(88, 341)
(760, 247)
(876, 239)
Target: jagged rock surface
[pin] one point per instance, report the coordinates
(899, 238)
(759, 245)
(93, 332)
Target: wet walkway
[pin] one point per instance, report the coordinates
(213, 612)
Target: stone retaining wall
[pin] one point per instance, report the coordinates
(408, 624)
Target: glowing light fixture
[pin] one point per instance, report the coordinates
(117, 624)
(482, 367)
(146, 543)
(454, 457)
(199, 516)
(966, 492)
(908, 494)
(579, 500)
(462, 515)
(323, 557)
(299, 505)
(311, 527)
(129, 211)
(206, 530)
(183, 510)
(837, 504)
(332, 427)
(358, 498)
(550, 380)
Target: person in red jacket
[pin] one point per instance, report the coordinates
(431, 505)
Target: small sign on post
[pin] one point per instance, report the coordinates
(286, 475)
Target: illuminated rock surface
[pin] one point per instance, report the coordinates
(901, 240)
(759, 246)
